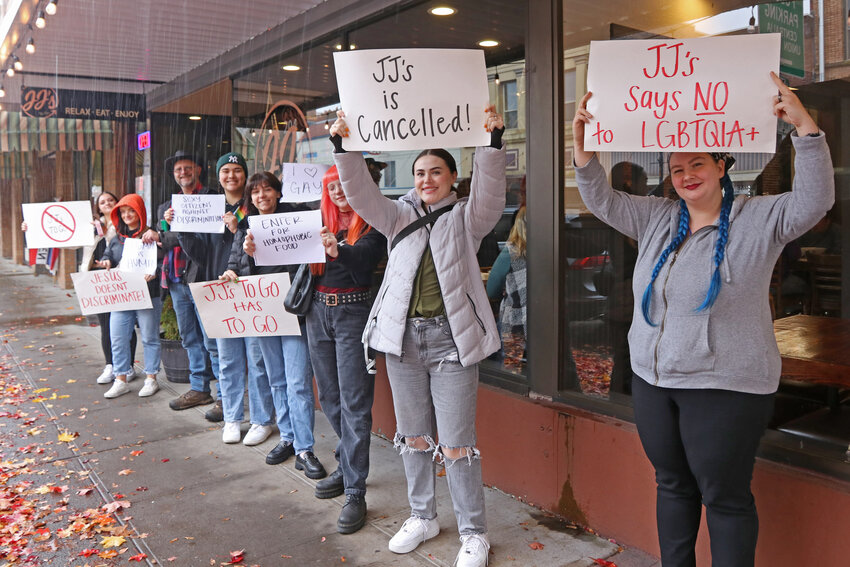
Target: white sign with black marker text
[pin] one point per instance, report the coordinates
(287, 238)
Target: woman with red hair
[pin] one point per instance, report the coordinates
(335, 323)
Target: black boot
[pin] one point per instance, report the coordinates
(311, 465)
(332, 486)
(353, 514)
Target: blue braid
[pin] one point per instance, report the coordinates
(681, 234)
(722, 238)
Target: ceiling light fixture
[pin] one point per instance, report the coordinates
(442, 11)
(327, 126)
(751, 27)
(496, 78)
(40, 22)
(10, 72)
(291, 67)
(30, 48)
(51, 7)
(17, 63)
(194, 117)
(488, 43)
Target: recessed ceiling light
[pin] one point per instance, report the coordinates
(488, 43)
(194, 117)
(442, 11)
(291, 68)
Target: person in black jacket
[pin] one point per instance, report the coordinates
(178, 271)
(286, 357)
(335, 323)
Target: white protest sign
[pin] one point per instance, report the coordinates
(287, 238)
(198, 213)
(705, 94)
(250, 307)
(138, 257)
(103, 291)
(412, 99)
(58, 225)
(302, 182)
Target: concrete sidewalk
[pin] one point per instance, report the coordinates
(197, 499)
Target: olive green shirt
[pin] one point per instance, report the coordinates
(426, 299)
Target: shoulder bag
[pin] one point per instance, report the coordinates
(300, 294)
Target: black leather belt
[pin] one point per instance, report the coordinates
(332, 299)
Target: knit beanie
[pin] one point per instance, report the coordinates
(231, 157)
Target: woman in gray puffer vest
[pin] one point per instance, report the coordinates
(433, 320)
(702, 346)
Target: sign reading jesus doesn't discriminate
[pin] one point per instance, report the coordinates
(412, 99)
(698, 95)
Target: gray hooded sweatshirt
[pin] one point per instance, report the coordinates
(731, 345)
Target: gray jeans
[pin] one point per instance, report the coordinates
(433, 393)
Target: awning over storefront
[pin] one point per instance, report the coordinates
(19, 133)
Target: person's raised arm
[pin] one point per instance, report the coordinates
(581, 118)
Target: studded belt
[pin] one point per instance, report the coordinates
(332, 299)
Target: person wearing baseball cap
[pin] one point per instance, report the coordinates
(179, 269)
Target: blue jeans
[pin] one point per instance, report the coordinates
(290, 378)
(121, 326)
(211, 346)
(233, 355)
(192, 336)
(346, 389)
(433, 394)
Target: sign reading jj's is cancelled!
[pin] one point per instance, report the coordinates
(410, 99)
(705, 94)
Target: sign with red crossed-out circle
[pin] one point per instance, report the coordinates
(58, 225)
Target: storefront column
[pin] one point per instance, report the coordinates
(5, 220)
(64, 191)
(119, 162)
(545, 181)
(17, 218)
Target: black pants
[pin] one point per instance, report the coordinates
(702, 444)
(106, 341)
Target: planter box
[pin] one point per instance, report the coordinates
(175, 361)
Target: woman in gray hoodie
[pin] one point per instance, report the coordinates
(702, 346)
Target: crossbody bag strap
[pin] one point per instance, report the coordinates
(419, 223)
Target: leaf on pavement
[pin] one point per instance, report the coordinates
(67, 436)
(125, 472)
(112, 541)
(535, 545)
(138, 557)
(115, 506)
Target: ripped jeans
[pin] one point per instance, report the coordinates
(433, 393)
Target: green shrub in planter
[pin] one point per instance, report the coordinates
(175, 360)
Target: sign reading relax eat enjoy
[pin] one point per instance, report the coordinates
(103, 291)
(705, 94)
(411, 99)
(249, 307)
(287, 238)
(198, 213)
(301, 182)
(66, 224)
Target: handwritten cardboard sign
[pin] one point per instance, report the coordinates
(138, 257)
(103, 291)
(302, 182)
(58, 225)
(411, 99)
(198, 213)
(287, 238)
(250, 307)
(705, 94)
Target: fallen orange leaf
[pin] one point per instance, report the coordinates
(535, 545)
(112, 541)
(138, 557)
(125, 472)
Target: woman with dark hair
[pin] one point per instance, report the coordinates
(129, 218)
(434, 322)
(705, 361)
(287, 360)
(335, 323)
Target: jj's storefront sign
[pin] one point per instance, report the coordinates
(40, 102)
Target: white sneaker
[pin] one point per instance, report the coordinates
(118, 388)
(231, 432)
(257, 434)
(413, 532)
(106, 376)
(133, 374)
(474, 551)
(150, 388)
